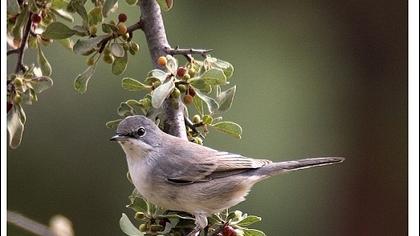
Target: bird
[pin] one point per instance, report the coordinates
(176, 174)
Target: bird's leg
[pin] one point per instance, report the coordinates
(200, 223)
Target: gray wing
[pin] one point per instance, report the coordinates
(189, 163)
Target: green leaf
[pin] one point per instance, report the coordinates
(41, 83)
(165, 5)
(172, 64)
(13, 7)
(225, 66)
(201, 85)
(112, 124)
(108, 28)
(249, 220)
(119, 65)
(82, 80)
(59, 4)
(137, 203)
(212, 104)
(81, 10)
(43, 63)
(66, 43)
(117, 50)
(133, 85)
(95, 16)
(20, 20)
(15, 125)
(125, 110)
(58, 30)
(63, 14)
(85, 45)
(253, 232)
(225, 99)
(128, 228)
(198, 104)
(213, 77)
(161, 93)
(229, 127)
(108, 5)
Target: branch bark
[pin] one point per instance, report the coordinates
(154, 30)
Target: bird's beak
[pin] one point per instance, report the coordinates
(118, 137)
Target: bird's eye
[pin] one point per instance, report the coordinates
(141, 131)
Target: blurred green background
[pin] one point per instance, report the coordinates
(314, 78)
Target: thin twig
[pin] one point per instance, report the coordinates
(138, 25)
(28, 224)
(21, 49)
(187, 51)
(190, 125)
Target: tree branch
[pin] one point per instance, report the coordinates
(187, 51)
(21, 49)
(154, 30)
(13, 51)
(28, 224)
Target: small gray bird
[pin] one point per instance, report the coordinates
(176, 174)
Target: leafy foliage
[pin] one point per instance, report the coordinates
(203, 86)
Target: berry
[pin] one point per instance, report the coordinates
(108, 58)
(36, 18)
(139, 216)
(134, 46)
(196, 119)
(162, 61)
(122, 17)
(229, 231)
(191, 72)
(188, 99)
(191, 91)
(176, 93)
(122, 28)
(182, 88)
(181, 71)
(143, 228)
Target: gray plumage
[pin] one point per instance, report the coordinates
(176, 174)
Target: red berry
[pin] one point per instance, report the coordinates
(122, 17)
(181, 72)
(229, 231)
(36, 18)
(191, 91)
(188, 99)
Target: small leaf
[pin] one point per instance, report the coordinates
(166, 5)
(15, 125)
(161, 93)
(253, 232)
(59, 4)
(82, 80)
(13, 7)
(85, 45)
(137, 203)
(41, 83)
(157, 74)
(108, 5)
(212, 105)
(125, 110)
(198, 104)
(225, 66)
(58, 30)
(67, 43)
(43, 63)
(112, 124)
(18, 28)
(108, 28)
(172, 64)
(201, 85)
(225, 99)
(229, 127)
(117, 50)
(95, 16)
(133, 85)
(213, 77)
(81, 10)
(128, 228)
(119, 65)
(249, 220)
(63, 14)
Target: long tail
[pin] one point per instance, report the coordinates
(287, 166)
